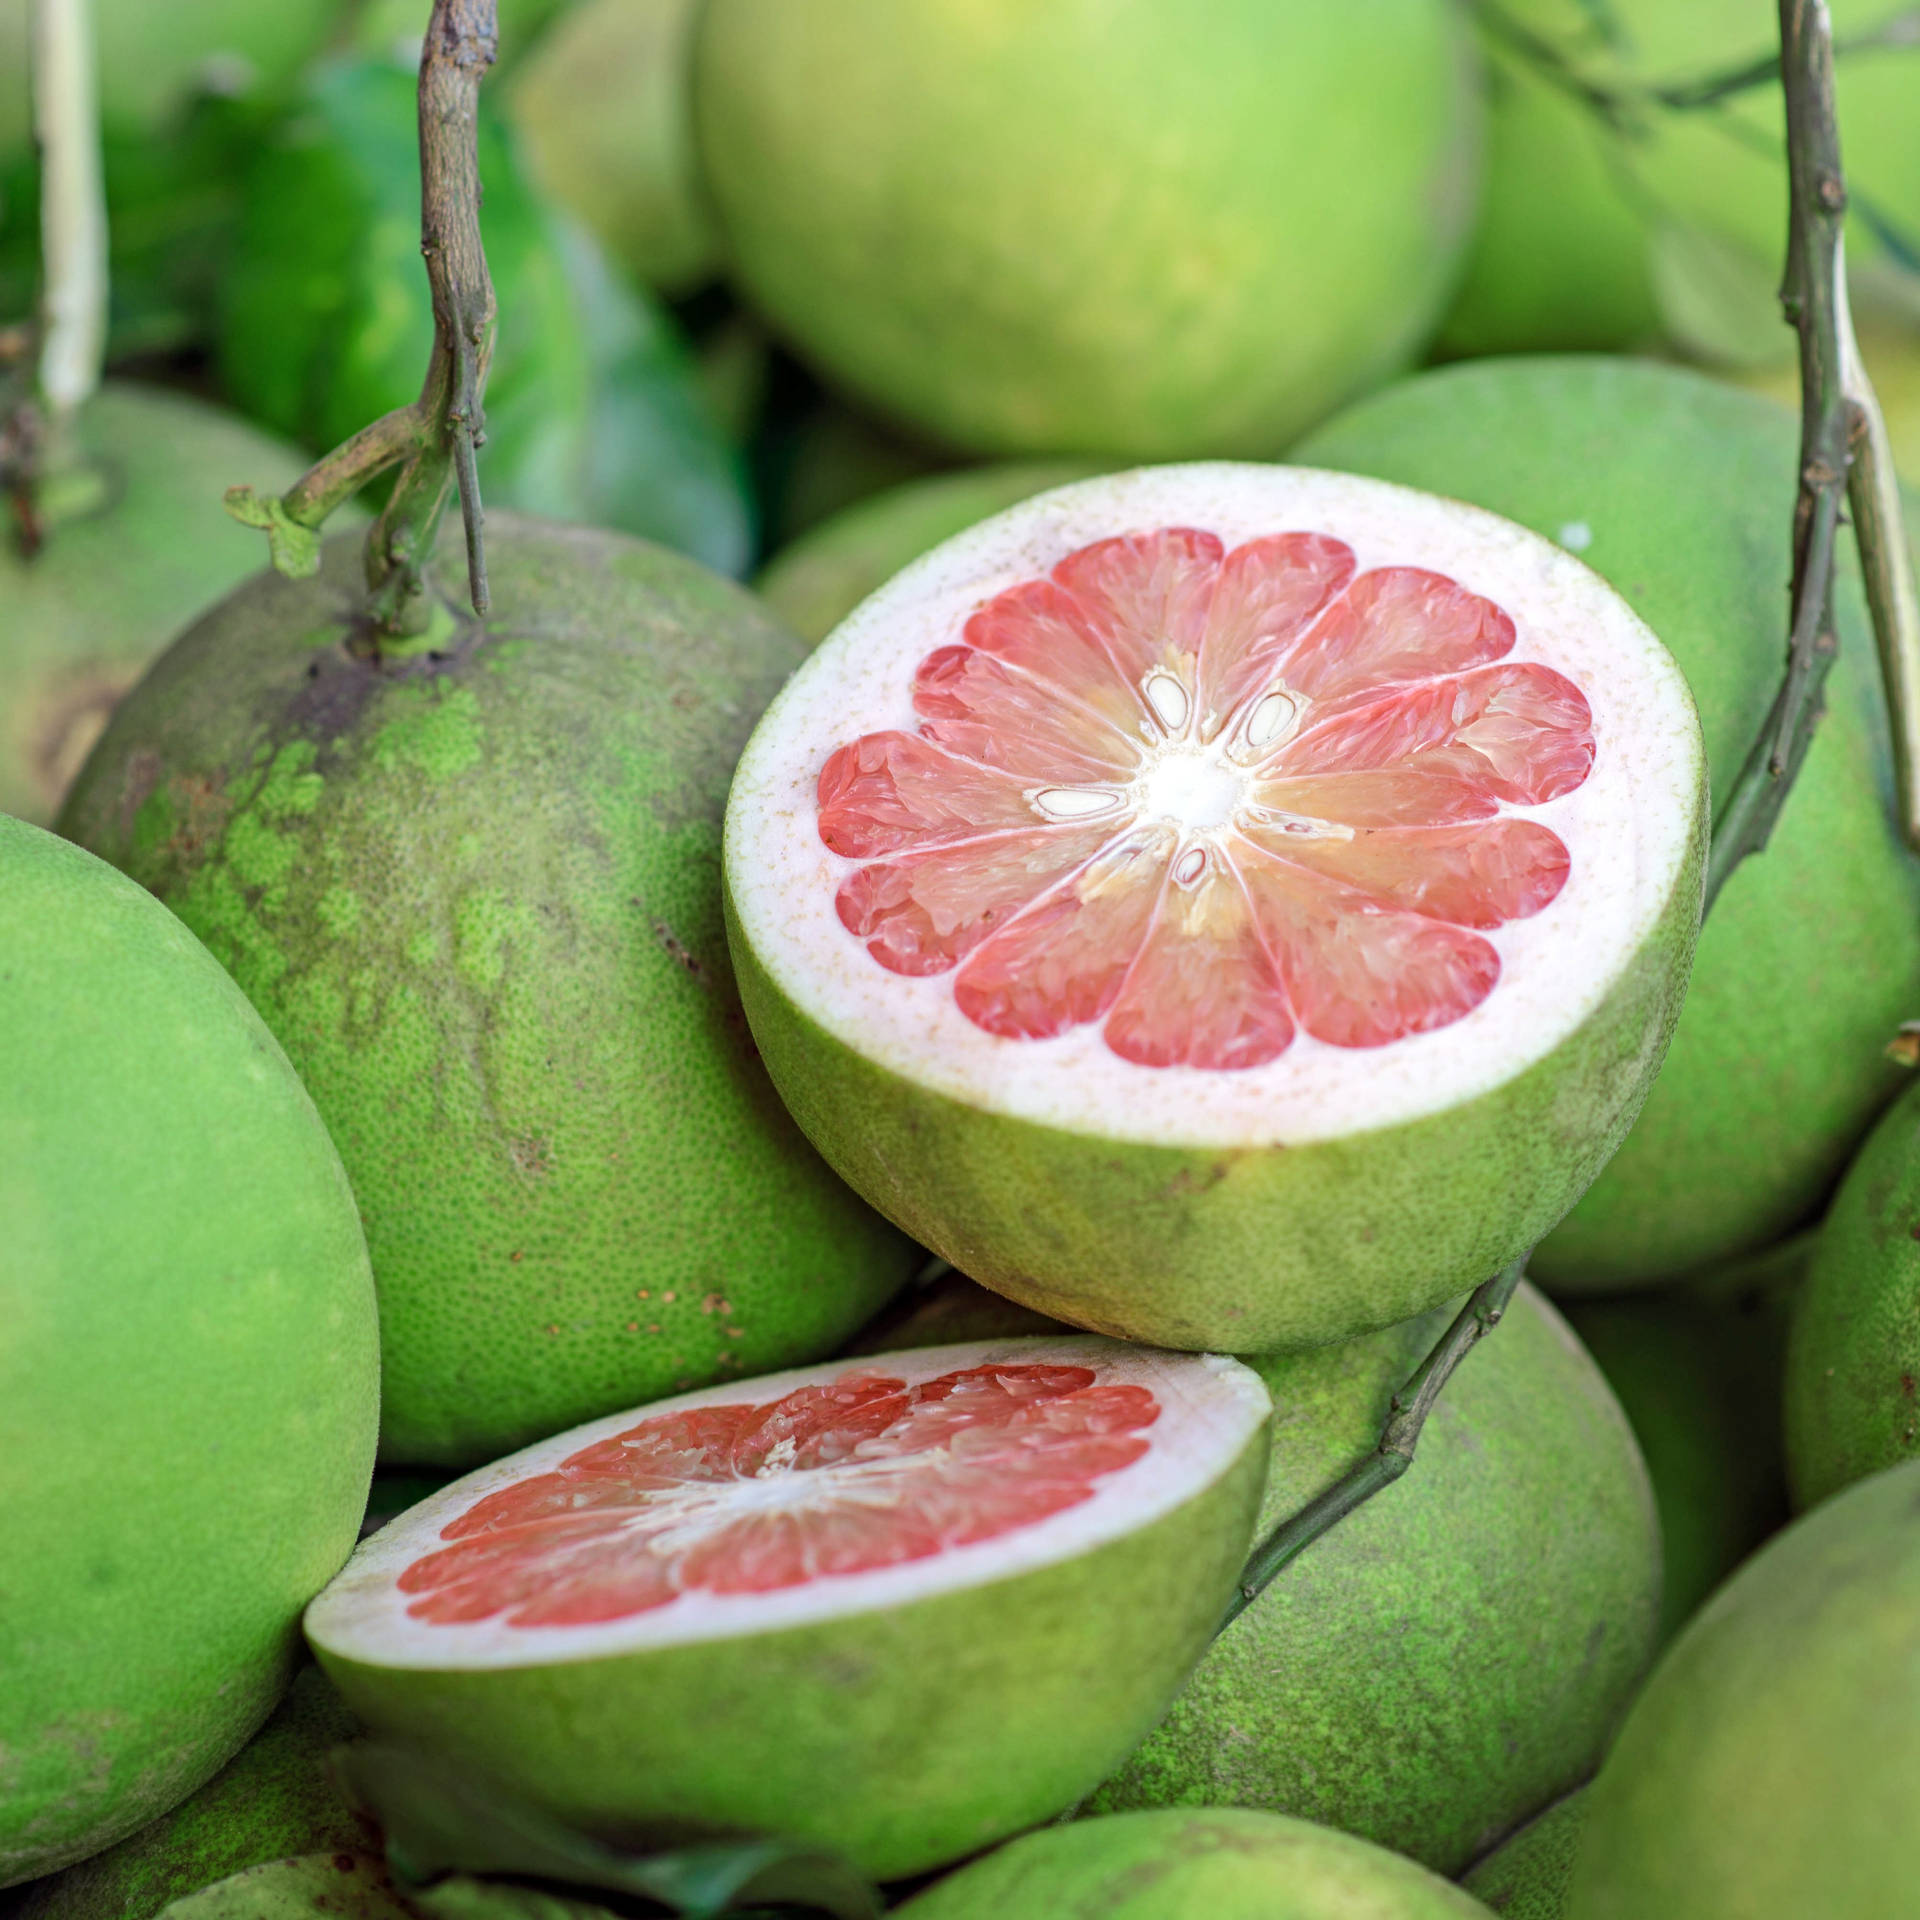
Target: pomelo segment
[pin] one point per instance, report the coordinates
(1184, 899)
(902, 1606)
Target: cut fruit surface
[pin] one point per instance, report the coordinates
(1215, 807)
(900, 1605)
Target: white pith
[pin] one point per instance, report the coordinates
(1210, 1407)
(1627, 827)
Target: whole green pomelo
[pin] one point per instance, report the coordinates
(1700, 1382)
(313, 1886)
(1853, 1355)
(1191, 1866)
(1672, 218)
(948, 1309)
(817, 580)
(1454, 1654)
(187, 1359)
(1772, 1765)
(1679, 489)
(1108, 227)
(604, 116)
(136, 544)
(1526, 1876)
(474, 888)
(274, 1798)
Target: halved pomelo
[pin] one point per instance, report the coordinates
(902, 1606)
(1226, 906)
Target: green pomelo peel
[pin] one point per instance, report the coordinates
(474, 891)
(1068, 230)
(1454, 1654)
(188, 1367)
(1192, 1866)
(1679, 490)
(314, 1886)
(1772, 1764)
(1526, 1876)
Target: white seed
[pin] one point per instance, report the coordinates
(1270, 719)
(1189, 867)
(1074, 803)
(1168, 698)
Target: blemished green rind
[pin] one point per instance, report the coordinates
(1088, 229)
(1455, 1654)
(120, 577)
(317, 1886)
(1853, 1353)
(1772, 1765)
(1682, 489)
(902, 1739)
(1593, 235)
(1526, 1876)
(475, 894)
(188, 1369)
(1701, 1385)
(1191, 1866)
(272, 1799)
(1248, 1249)
(814, 583)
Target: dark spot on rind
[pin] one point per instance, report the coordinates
(677, 952)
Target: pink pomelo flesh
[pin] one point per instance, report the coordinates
(901, 1606)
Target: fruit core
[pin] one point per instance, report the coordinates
(856, 1473)
(1211, 799)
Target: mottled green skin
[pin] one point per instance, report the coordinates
(1241, 1249)
(1772, 1765)
(819, 579)
(319, 1886)
(1853, 1356)
(1812, 956)
(1569, 249)
(1089, 228)
(272, 1799)
(117, 580)
(187, 1359)
(1701, 1386)
(1192, 1866)
(475, 893)
(1454, 1654)
(1526, 1876)
(903, 1739)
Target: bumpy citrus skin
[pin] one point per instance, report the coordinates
(311, 1886)
(274, 1798)
(474, 893)
(1681, 489)
(1772, 1764)
(113, 584)
(1853, 1357)
(1526, 1876)
(1455, 1654)
(188, 1365)
(1048, 229)
(1192, 1866)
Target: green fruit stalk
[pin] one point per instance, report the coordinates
(1679, 490)
(473, 889)
(188, 1377)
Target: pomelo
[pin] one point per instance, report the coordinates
(473, 887)
(1772, 1765)
(1223, 906)
(1853, 1356)
(1603, 235)
(901, 1607)
(814, 582)
(1679, 489)
(312, 1886)
(187, 1361)
(1038, 226)
(1890, 346)
(952, 1308)
(1526, 1876)
(272, 1799)
(1455, 1654)
(1192, 1866)
(136, 544)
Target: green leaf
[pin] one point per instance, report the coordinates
(452, 1839)
(294, 549)
(1717, 298)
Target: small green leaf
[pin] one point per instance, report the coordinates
(1717, 298)
(294, 549)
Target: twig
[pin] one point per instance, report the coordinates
(73, 207)
(434, 441)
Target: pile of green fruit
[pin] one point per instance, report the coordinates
(904, 1088)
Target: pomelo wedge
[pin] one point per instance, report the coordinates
(1225, 906)
(902, 1606)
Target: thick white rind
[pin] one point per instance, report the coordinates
(1627, 826)
(1210, 1409)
